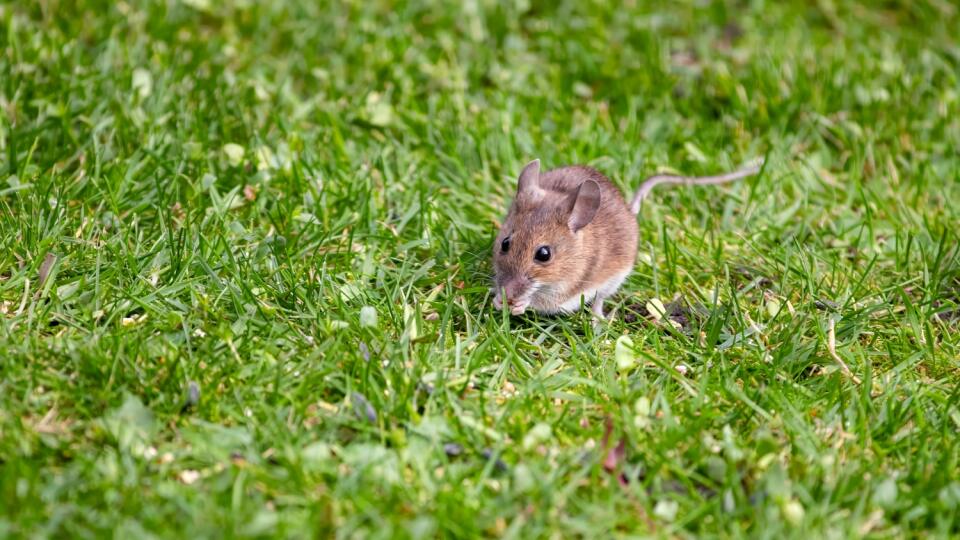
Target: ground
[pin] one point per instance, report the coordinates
(244, 270)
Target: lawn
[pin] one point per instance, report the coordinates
(245, 262)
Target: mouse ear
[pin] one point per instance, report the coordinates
(585, 205)
(529, 181)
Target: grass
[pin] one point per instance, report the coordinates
(197, 200)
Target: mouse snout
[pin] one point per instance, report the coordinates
(514, 291)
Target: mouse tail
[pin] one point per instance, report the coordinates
(647, 186)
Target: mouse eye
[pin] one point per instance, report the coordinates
(505, 245)
(542, 254)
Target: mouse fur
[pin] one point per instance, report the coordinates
(570, 238)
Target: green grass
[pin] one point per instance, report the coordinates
(181, 347)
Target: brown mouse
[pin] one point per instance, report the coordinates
(570, 238)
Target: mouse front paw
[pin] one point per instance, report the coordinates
(497, 302)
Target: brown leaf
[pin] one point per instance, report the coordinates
(607, 430)
(615, 456)
(45, 268)
(611, 464)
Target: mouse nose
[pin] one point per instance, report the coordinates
(516, 297)
(515, 288)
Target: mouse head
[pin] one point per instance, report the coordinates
(539, 252)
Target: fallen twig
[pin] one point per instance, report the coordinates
(832, 349)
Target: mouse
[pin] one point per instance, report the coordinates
(569, 238)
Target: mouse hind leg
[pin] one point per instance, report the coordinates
(597, 306)
(606, 290)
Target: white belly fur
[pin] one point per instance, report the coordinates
(604, 290)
